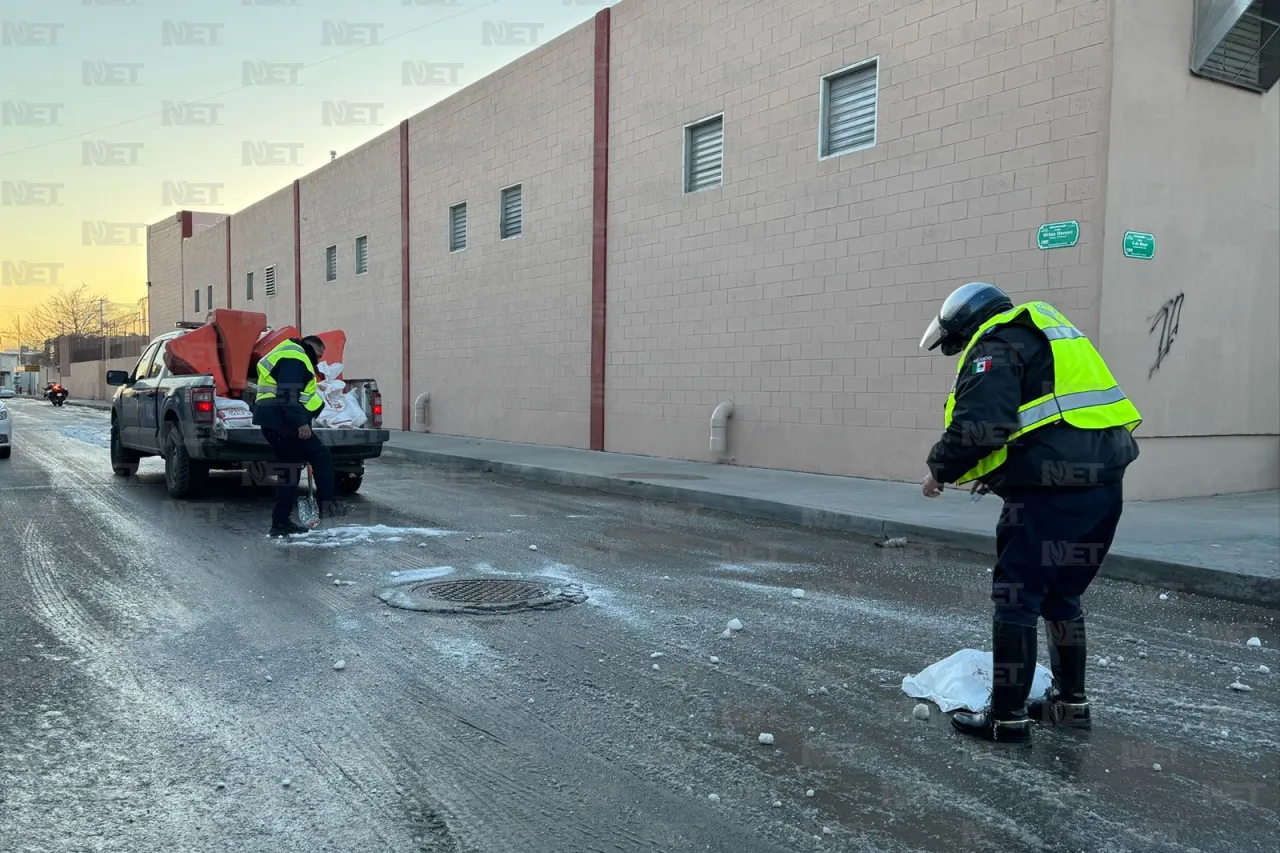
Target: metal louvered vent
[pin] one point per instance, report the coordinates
(704, 155)
(362, 255)
(849, 109)
(1237, 42)
(458, 227)
(269, 281)
(512, 212)
(331, 263)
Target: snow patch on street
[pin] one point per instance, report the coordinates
(419, 575)
(95, 435)
(340, 537)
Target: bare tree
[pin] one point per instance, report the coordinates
(79, 313)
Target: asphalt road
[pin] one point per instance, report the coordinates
(167, 683)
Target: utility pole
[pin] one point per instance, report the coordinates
(102, 327)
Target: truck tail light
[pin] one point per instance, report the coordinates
(202, 408)
(376, 401)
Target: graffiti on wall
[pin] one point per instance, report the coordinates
(1166, 320)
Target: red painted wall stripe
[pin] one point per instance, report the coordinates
(599, 223)
(406, 338)
(297, 255)
(228, 261)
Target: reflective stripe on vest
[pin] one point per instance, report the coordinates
(1085, 394)
(309, 396)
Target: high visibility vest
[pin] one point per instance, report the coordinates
(1085, 394)
(309, 396)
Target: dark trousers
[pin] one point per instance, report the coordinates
(292, 455)
(1050, 545)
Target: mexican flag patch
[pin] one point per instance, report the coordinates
(982, 365)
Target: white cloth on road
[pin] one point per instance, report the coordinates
(963, 680)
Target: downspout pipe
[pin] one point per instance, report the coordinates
(720, 426)
(420, 412)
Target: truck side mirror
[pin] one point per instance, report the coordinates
(117, 377)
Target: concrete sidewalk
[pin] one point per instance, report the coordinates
(1227, 546)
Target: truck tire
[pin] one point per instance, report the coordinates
(5, 451)
(182, 477)
(347, 483)
(124, 462)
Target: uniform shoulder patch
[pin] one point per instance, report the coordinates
(982, 365)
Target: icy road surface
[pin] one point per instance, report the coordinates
(170, 681)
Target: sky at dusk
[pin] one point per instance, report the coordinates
(119, 113)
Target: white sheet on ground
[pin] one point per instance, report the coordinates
(963, 681)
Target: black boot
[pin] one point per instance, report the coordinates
(1066, 703)
(287, 529)
(1013, 668)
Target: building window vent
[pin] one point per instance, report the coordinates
(269, 281)
(1237, 42)
(362, 255)
(512, 212)
(197, 301)
(331, 263)
(458, 227)
(704, 154)
(209, 307)
(248, 286)
(848, 109)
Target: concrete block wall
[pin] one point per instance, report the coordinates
(262, 236)
(502, 329)
(800, 287)
(358, 195)
(205, 266)
(164, 272)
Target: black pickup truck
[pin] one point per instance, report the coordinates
(155, 413)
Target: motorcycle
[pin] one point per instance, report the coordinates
(56, 394)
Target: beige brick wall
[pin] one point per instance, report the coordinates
(164, 271)
(205, 264)
(262, 236)
(358, 194)
(799, 289)
(502, 330)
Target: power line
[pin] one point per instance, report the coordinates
(242, 88)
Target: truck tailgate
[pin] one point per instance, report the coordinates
(334, 438)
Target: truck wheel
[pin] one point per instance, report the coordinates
(349, 484)
(5, 451)
(124, 462)
(182, 477)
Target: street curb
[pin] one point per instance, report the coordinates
(1145, 571)
(100, 405)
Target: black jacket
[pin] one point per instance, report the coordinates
(284, 412)
(1018, 366)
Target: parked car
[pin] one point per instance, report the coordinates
(6, 393)
(157, 413)
(6, 429)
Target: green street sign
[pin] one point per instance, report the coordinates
(1058, 235)
(1139, 245)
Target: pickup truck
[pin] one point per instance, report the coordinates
(157, 413)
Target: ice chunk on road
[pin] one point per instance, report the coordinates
(340, 665)
(533, 547)
(766, 738)
(715, 798)
(1254, 643)
(920, 712)
(810, 793)
(797, 593)
(1239, 688)
(1164, 597)
(1264, 669)
(715, 659)
(734, 625)
(726, 634)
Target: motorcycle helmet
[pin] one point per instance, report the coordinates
(967, 308)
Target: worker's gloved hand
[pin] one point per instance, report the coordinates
(931, 487)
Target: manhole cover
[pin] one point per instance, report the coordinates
(640, 475)
(483, 595)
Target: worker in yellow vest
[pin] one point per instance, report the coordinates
(1035, 417)
(287, 401)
